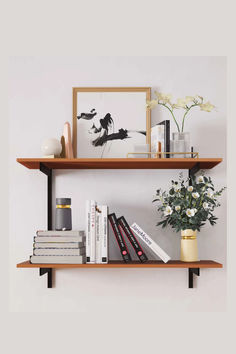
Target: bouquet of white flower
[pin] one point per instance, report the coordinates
(187, 206)
(186, 103)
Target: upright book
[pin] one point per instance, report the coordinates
(150, 243)
(119, 238)
(104, 235)
(132, 239)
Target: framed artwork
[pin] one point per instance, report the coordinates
(109, 121)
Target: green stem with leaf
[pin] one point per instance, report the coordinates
(187, 110)
(171, 111)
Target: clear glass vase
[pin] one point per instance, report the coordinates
(181, 143)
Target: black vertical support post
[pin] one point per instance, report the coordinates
(192, 171)
(48, 172)
(192, 271)
(47, 271)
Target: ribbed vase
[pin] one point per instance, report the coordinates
(188, 248)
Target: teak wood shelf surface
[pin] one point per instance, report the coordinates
(127, 163)
(121, 264)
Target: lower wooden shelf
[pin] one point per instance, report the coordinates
(134, 264)
(193, 267)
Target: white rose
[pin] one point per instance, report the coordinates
(190, 212)
(168, 211)
(195, 195)
(200, 179)
(177, 208)
(195, 210)
(205, 205)
(176, 188)
(209, 193)
(190, 188)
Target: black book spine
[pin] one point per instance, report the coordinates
(119, 238)
(132, 239)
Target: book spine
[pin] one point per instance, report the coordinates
(119, 238)
(98, 258)
(93, 232)
(150, 243)
(104, 235)
(132, 239)
(88, 231)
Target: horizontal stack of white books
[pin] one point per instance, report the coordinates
(65, 247)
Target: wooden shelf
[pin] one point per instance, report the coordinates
(121, 264)
(129, 163)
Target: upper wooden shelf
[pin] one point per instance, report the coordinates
(127, 163)
(134, 264)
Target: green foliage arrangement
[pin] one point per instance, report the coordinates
(187, 206)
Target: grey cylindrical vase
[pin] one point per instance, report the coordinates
(63, 214)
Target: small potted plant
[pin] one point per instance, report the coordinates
(181, 139)
(187, 208)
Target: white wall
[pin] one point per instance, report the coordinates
(40, 101)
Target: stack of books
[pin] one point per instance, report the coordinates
(65, 247)
(96, 233)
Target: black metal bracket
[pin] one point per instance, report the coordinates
(47, 271)
(193, 170)
(192, 271)
(48, 172)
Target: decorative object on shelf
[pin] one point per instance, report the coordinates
(67, 150)
(51, 148)
(107, 121)
(63, 214)
(181, 140)
(186, 208)
(160, 139)
(140, 151)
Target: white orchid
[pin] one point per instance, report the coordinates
(168, 211)
(190, 212)
(181, 102)
(195, 195)
(190, 188)
(151, 104)
(178, 207)
(205, 205)
(207, 107)
(200, 179)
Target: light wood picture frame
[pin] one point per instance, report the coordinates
(108, 120)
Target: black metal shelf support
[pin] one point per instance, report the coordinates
(48, 172)
(192, 171)
(47, 271)
(192, 271)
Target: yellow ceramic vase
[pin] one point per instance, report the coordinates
(189, 251)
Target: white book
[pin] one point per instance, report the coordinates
(59, 251)
(61, 233)
(150, 243)
(59, 239)
(88, 231)
(104, 235)
(93, 232)
(58, 244)
(57, 259)
(98, 257)
(157, 139)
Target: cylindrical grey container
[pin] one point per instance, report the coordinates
(63, 214)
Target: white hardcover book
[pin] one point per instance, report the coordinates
(157, 139)
(88, 231)
(57, 259)
(104, 235)
(61, 233)
(98, 258)
(59, 239)
(93, 231)
(150, 243)
(58, 245)
(59, 251)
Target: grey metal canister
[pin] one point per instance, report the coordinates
(63, 214)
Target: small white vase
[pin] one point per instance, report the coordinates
(51, 147)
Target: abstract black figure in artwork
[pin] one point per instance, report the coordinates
(106, 129)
